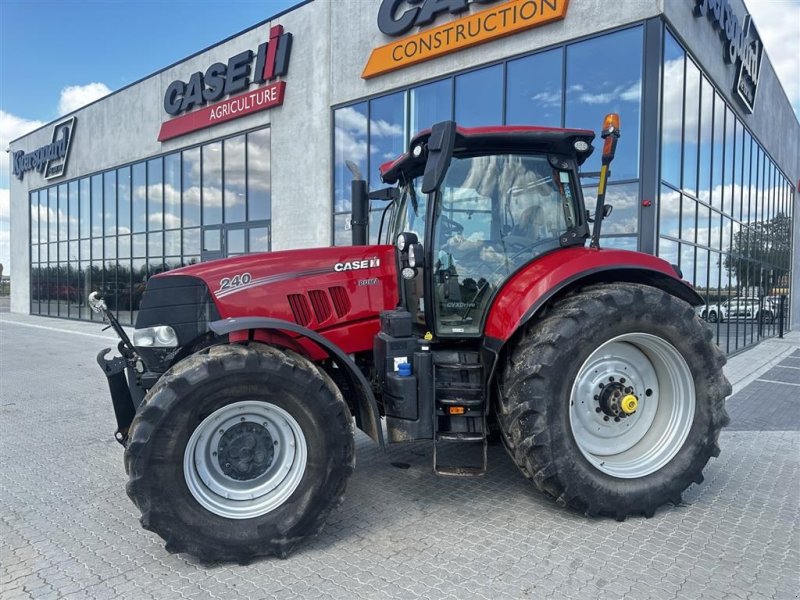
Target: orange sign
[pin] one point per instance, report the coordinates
(496, 22)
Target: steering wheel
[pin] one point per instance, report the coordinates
(450, 226)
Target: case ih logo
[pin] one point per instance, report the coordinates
(50, 160)
(229, 79)
(742, 45)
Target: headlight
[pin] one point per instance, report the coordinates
(406, 239)
(162, 336)
(581, 146)
(415, 255)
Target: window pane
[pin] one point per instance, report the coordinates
(718, 151)
(235, 242)
(350, 143)
(259, 202)
(139, 197)
(386, 134)
(124, 200)
(110, 202)
(63, 212)
(672, 111)
(533, 95)
(259, 239)
(212, 240)
(234, 180)
(625, 200)
(191, 241)
(706, 141)
(191, 187)
(172, 243)
(43, 235)
(85, 210)
(172, 191)
(613, 84)
(212, 183)
(72, 215)
(52, 214)
(155, 246)
(479, 97)
(155, 195)
(34, 204)
(431, 104)
(139, 245)
(669, 212)
(124, 246)
(690, 127)
(688, 217)
(727, 176)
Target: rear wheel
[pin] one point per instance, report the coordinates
(239, 452)
(712, 317)
(613, 402)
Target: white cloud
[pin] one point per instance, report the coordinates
(778, 24)
(4, 205)
(74, 97)
(12, 127)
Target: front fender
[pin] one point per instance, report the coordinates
(368, 415)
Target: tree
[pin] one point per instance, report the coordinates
(761, 253)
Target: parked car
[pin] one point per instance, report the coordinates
(737, 308)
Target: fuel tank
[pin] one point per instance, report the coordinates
(339, 291)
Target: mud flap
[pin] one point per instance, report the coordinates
(114, 370)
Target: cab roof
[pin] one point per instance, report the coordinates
(473, 141)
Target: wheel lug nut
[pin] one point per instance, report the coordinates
(611, 379)
(616, 419)
(596, 397)
(622, 380)
(598, 410)
(602, 385)
(605, 418)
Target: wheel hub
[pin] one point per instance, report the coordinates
(245, 451)
(616, 400)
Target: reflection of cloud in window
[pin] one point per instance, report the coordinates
(546, 99)
(672, 98)
(349, 147)
(626, 93)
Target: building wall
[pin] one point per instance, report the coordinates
(332, 42)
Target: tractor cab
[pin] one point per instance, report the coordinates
(506, 196)
(472, 206)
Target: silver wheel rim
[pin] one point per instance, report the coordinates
(641, 443)
(208, 474)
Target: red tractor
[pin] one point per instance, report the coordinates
(483, 314)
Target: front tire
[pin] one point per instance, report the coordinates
(562, 393)
(239, 452)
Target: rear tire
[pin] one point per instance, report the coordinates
(239, 452)
(552, 407)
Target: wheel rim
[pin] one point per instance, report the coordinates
(640, 443)
(245, 459)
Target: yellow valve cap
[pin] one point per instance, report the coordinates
(428, 336)
(629, 404)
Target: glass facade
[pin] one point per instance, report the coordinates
(724, 212)
(110, 231)
(725, 209)
(570, 89)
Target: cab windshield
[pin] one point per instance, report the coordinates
(493, 214)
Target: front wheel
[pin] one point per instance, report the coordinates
(613, 402)
(238, 452)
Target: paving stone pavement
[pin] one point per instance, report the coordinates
(67, 529)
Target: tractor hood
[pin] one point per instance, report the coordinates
(320, 288)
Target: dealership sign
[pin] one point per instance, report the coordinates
(741, 44)
(197, 103)
(499, 20)
(49, 160)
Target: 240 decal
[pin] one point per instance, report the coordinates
(228, 283)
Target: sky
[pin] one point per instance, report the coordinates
(56, 56)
